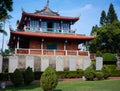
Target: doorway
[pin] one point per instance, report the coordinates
(50, 26)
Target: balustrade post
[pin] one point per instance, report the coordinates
(77, 53)
(29, 51)
(42, 51)
(66, 52)
(54, 52)
(15, 50)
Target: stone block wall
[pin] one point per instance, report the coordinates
(41, 62)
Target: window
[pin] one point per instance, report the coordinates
(51, 46)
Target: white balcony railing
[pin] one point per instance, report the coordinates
(51, 30)
(50, 52)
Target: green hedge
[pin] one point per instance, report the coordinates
(37, 75)
(70, 74)
(114, 72)
(63, 74)
(4, 76)
(109, 57)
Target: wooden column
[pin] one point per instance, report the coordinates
(18, 43)
(65, 45)
(42, 45)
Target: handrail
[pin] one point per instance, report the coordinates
(50, 52)
(39, 29)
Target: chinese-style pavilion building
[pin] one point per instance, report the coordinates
(45, 32)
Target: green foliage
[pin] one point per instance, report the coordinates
(28, 76)
(93, 63)
(106, 71)
(4, 76)
(49, 79)
(98, 54)
(107, 35)
(17, 78)
(111, 16)
(5, 7)
(99, 75)
(89, 73)
(109, 57)
(70, 74)
(103, 18)
(37, 75)
(114, 72)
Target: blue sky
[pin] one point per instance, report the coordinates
(89, 12)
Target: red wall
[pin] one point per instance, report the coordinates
(36, 44)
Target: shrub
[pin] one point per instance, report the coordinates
(17, 78)
(4, 76)
(89, 73)
(112, 67)
(80, 73)
(49, 79)
(115, 73)
(109, 57)
(93, 64)
(37, 75)
(113, 70)
(106, 71)
(99, 75)
(28, 76)
(70, 74)
(98, 54)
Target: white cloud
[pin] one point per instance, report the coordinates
(87, 7)
(77, 10)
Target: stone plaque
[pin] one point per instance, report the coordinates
(37, 63)
(99, 63)
(72, 63)
(1, 62)
(52, 61)
(44, 63)
(21, 62)
(66, 63)
(79, 62)
(87, 62)
(30, 62)
(59, 63)
(13, 63)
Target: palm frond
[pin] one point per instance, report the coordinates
(4, 32)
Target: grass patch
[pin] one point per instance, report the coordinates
(105, 85)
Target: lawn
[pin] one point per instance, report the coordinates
(105, 85)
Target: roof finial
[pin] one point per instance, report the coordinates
(47, 3)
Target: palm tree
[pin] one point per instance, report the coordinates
(2, 29)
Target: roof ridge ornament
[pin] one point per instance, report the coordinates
(47, 5)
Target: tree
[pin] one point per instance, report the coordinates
(108, 35)
(28, 76)
(17, 78)
(95, 30)
(103, 18)
(49, 79)
(111, 16)
(5, 7)
(2, 30)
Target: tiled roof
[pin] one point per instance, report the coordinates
(53, 35)
(46, 11)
